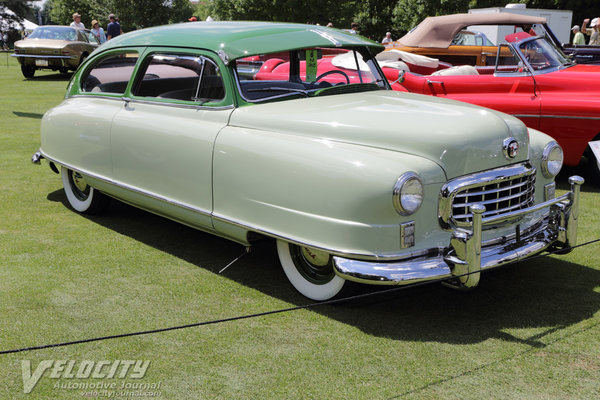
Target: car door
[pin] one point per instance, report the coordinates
(162, 139)
(80, 127)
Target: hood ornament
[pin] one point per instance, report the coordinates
(510, 148)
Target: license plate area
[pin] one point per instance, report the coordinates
(41, 63)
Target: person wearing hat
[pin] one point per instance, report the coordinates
(114, 28)
(594, 36)
(578, 38)
(98, 31)
(77, 21)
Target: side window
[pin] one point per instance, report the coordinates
(180, 77)
(111, 74)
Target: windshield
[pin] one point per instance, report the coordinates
(541, 54)
(467, 38)
(307, 72)
(54, 32)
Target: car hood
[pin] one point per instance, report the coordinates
(459, 137)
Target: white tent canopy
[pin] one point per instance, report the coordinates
(6, 25)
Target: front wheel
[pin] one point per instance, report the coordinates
(311, 272)
(81, 196)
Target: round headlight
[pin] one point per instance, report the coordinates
(408, 194)
(552, 160)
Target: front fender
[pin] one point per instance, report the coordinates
(326, 194)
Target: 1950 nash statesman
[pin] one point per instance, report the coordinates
(355, 182)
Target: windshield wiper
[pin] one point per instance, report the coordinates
(278, 89)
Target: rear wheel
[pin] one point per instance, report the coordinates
(311, 272)
(81, 196)
(28, 71)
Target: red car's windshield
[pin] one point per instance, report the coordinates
(541, 54)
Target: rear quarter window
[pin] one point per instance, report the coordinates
(110, 74)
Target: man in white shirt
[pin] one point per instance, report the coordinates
(77, 21)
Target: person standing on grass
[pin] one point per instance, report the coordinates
(114, 28)
(98, 31)
(577, 35)
(77, 22)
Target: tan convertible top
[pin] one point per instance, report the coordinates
(439, 31)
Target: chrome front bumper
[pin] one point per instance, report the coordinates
(465, 256)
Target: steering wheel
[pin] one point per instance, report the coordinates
(333, 71)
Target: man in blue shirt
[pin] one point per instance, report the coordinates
(114, 28)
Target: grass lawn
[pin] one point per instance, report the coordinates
(530, 331)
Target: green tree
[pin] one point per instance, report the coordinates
(132, 14)
(302, 11)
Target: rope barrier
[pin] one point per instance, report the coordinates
(265, 313)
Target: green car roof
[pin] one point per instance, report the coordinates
(241, 39)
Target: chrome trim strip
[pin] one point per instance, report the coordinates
(553, 116)
(253, 228)
(133, 100)
(115, 96)
(463, 195)
(179, 105)
(40, 56)
(341, 253)
(129, 187)
(519, 213)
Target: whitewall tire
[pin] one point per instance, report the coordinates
(81, 196)
(310, 271)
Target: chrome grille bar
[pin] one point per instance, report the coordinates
(501, 190)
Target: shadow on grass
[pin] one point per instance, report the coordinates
(545, 292)
(50, 77)
(584, 170)
(28, 115)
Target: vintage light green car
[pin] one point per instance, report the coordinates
(355, 182)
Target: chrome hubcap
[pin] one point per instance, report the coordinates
(314, 265)
(81, 189)
(79, 181)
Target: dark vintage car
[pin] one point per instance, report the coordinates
(59, 48)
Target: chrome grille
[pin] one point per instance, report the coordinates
(500, 190)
